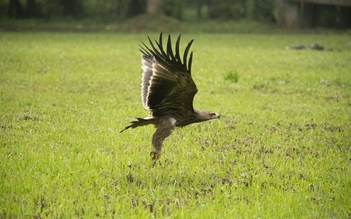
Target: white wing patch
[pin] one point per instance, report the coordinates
(146, 78)
(172, 120)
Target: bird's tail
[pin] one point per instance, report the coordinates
(140, 122)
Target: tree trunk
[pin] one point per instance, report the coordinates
(155, 7)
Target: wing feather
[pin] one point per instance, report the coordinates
(160, 46)
(177, 56)
(167, 86)
(146, 62)
(190, 62)
(169, 48)
(186, 55)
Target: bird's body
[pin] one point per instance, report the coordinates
(167, 90)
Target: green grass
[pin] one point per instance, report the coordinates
(232, 77)
(282, 148)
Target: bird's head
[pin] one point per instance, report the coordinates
(204, 115)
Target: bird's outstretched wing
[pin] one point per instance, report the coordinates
(167, 86)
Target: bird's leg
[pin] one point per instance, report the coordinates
(164, 129)
(156, 148)
(156, 154)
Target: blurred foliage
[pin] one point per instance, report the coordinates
(227, 9)
(264, 11)
(124, 9)
(175, 8)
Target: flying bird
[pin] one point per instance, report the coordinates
(167, 91)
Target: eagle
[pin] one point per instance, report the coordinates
(167, 91)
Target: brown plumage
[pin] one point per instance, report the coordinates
(167, 90)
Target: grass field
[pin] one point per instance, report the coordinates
(282, 148)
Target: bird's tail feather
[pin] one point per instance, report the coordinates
(140, 122)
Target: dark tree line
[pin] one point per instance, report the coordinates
(262, 10)
(43, 9)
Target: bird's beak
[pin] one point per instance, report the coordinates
(217, 116)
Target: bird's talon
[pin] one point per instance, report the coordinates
(155, 155)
